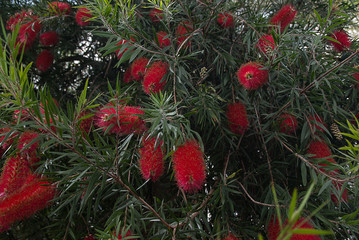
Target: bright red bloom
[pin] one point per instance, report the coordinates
(14, 174)
(44, 60)
(163, 39)
(252, 75)
(266, 44)
(156, 15)
(230, 237)
(356, 76)
(86, 123)
(237, 117)
(151, 159)
(344, 196)
(10, 140)
(82, 17)
(153, 80)
(22, 114)
(34, 195)
(274, 230)
(287, 123)
(20, 17)
(127, 77)
(128, 234)
(138, 68)
(189, 166)
(89, 237)
(60, 8)
(27, 34)
(315, 121)
(284, 16)
(120, 43)
(183, 31)
(107, 117)
(225, 20)
(343, 40)
(25, 139)
(49, 38)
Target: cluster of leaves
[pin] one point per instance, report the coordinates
(100, 185)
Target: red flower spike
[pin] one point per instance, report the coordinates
(252, 75)
(225, 20)
(20, 17)
(82, 17)
(27, 34)
(49, 39)
(138, 68)
(266, 44)
(44, 60)
(108, 117)
(156, 15)
(127, 76)
(163, 39)
(22, 114)
(284, 16)
(26, 138)
(14, 174)
(60, 8)
(153, 80)
(356, 76)
(189, 167)
(230, 237)
(343, 40)
(274, 230)
(287, 123)
(128, 234)
(344, 197)
(183, 31)
(151, 160)
(120, 43)
(237, 117)
(10, 140)
(33, 196)
(130, 119)
(86, 124)
(320, 149)
(314, 123)
(89, 237)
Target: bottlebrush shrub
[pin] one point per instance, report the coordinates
(230, 237)
(26, 140)
(82, 17)
(60, 8)
(5, 143)
(252, 75)
(163, 39)
(189, 167)
(27, 34)
(14, 174)
(86, 121)
(44, 60)
(287, 123)
(225, 20)
(273, 230)
(34, 195)
(138, 68)
(154, 81)
(183, 31)
(49, 39)
(284, 17)
(315, 121)
(342, 40)
(151, 159)
(156, 15)
(266, 44)
(237, 118)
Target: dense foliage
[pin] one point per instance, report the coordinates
(185, 119)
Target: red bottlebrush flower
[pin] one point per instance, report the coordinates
(108, 117)
(49, 39)
(320, 149)
(230, 237)
(20, 17)
(344, 197)
(252, 76)
(287, 123)
(34, 195)
(343, 40)
(284, 16)
(60, 8)
(163, 39)
(27, 34)
(25, 139)
(82, 17)
(225, 20)
(189, 166)
(89, 237)
(128, 234)
(130, 119)
(44, 60)
(120, 43)
(315, 121)
(237, 117)
(14, 174)
(356, 76)
(127, 76)
(156, 15)
(86, 123)
(138, 68)
(10, 140)
(182, 32)
(266, 44)
(151, 160)
(153, 80)
(22, 114)
(274, 230)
